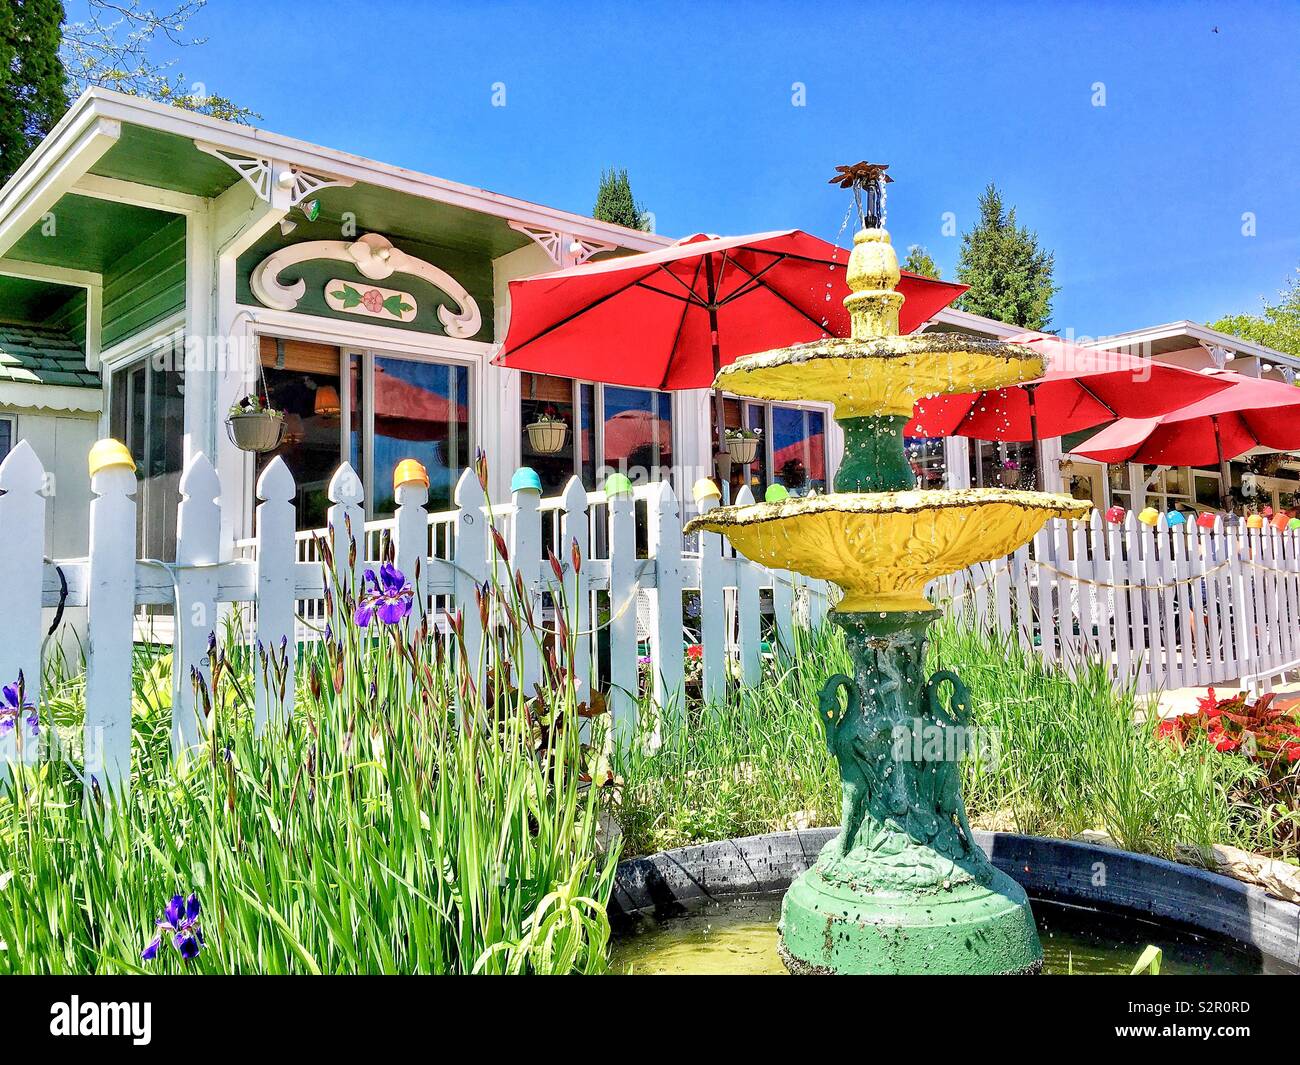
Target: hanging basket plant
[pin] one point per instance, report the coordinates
(253, 425)
(742, 445)
(548, 433)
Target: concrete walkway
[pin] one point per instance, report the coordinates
(1184, 700)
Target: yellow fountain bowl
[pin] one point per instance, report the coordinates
(881, 375)
(882, 548)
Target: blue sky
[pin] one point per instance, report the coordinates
(1142, 199)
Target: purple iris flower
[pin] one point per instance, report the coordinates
(12, 707)
(387, 595)
(180, 921)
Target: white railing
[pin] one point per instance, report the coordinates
(1165, 607)
(278, 574)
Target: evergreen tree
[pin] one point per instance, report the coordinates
(919, 262)
(615, 204)
(1277, 326)
(32, 94)
(1010, 277)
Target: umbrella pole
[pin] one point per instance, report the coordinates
(721, 456)
(1225, 471)
(1033, 435)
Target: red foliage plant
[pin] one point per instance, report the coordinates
(1256, 729)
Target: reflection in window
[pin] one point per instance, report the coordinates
(6, 437)
(1002, 464)
(303, 381)
(421, 412)
(799, 450)
(926, 457)
(638, 431)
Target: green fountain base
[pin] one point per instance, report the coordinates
(971, 929)
(904, 888)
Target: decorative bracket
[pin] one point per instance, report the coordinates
(266, 176)
(560, 246)
(376, 258)
(1220, 355)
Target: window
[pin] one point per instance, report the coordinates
(926, 457)
(791, 451)
(6, 437)
(608, 429)
(384, 410)
(147, 413)
(1002, 464)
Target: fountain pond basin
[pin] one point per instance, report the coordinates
(714, 909)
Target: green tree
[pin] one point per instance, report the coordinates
(1277, 326)
(1010, 277)
(919, 262)
(32, 91)
(615, 204)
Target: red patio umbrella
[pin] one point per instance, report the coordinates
(1081, 387)
(1246, 414)
(672, 318)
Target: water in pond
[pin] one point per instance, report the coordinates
(739, 938)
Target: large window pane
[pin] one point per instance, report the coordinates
(1001, 464)
(543, 397)
(639, 433)
(421, 412)
(148, 416)
(6, 437)
(925, 454)
(303, 381)
(799, 450)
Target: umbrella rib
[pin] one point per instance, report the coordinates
(752, 284)
(690, 290)
(1100, 402)
(785, 299)
(681, 324)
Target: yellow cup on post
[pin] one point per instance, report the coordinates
(108, 454)
(705, 489)
(409, 471)
(1150, 516)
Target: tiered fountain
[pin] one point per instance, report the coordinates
(903, 888)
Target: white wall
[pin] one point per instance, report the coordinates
(62, 442)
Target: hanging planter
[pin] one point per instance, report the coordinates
(253, 425)
(742, 445)
(547, 435)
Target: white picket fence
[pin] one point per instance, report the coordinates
(1165, 607)
(278, 574)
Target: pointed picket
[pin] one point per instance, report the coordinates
(750, 633)
(198, 550)
(666, 548)
(346, 533)
(109, 630)
(1121, 623)
(624, 672)
(276, 558)
(411, 546)
(713, 614)
(526, 559)
(22, 570)
(471, 569)
(573, 554)
(783, 606)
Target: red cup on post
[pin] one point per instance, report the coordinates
(1115, 515)
(1205, 519)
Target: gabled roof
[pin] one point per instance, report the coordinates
(45, 355)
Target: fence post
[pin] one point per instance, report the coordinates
(713, 614)
(574, 545)
(750, 632)
(526, 558)
(347, 539)
(110, 623)
(411, 546)
(276, 560)
(22, 571)
(198, 544)
(666, 639)
(470, 561)
(624, 674)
